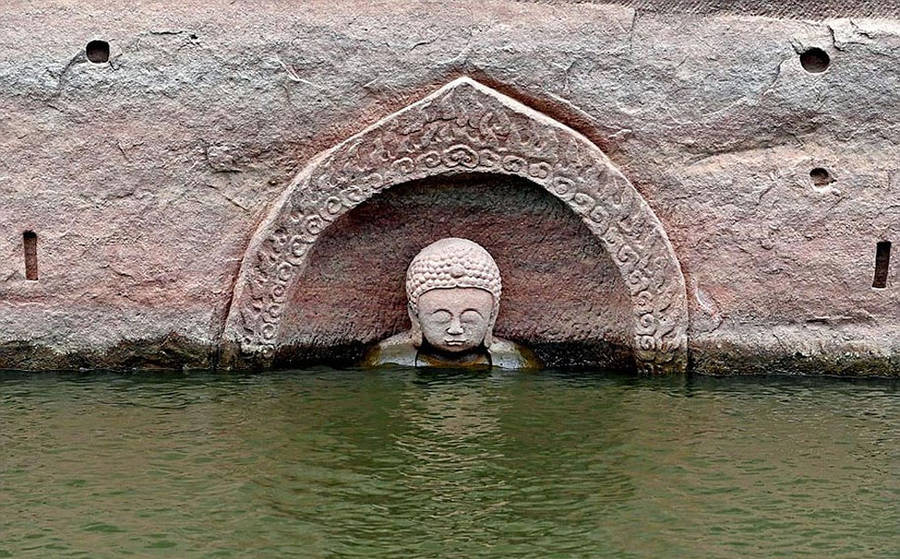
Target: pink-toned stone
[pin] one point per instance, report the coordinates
(555, 273)
(453, 290)
(466, 127)
(145, 178)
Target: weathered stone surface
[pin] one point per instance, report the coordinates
(465, 127)
(453, 290)
(145, 178)
(796, 9)
(559, 284)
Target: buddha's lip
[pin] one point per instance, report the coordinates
(454, 342)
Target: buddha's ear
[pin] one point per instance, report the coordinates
(489, 335)
(415, 333)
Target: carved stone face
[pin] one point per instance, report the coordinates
(455, 320)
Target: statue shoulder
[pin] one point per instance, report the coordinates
(395, 350)
(507, 354)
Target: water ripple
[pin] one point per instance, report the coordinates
(328, 463)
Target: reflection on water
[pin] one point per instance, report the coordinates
(325, 463)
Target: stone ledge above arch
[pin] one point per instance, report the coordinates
(466, 127)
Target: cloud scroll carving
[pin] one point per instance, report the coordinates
(466, 127)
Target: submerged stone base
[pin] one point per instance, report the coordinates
(665, 186)
(175, 353)
(171, 352)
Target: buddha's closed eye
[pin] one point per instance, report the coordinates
(441, 316)
(471, 315)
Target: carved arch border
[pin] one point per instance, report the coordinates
(466, 127)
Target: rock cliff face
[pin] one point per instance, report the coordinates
(147, 151)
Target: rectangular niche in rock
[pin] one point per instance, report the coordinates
(882, 263)
(29, 239)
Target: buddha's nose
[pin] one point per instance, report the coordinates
(455, 327)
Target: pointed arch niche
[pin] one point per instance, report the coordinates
(466, 128)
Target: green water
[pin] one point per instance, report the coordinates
(327, 463)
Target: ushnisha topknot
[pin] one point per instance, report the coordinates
(453, 262)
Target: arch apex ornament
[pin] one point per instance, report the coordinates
(466, 127)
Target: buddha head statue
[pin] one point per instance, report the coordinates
(453, 289)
